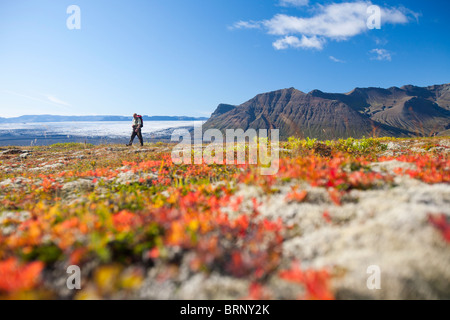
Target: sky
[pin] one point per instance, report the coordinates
(184, 57)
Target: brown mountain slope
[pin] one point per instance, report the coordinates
(405, 111)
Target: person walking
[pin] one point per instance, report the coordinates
(137, 126)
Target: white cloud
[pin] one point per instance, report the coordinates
(336, 59)
(294, 42)
(381, 42)
(246, 25)
(55, 100)
(381, 55)
(336, 21)
(295, 3)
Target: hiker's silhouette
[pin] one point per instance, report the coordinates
(137, 126)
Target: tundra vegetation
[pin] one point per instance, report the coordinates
(140, 226)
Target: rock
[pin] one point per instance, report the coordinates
(389, 229)
(12, 216)
(386, 227)
(393, 146)
(213, 287)
(390, 166)
(6, 183)
(445, 143)
(11, 151)
(78, 185)
(418, 150)
(116, 149)
(128, 177)
(140, 150)
(15, 183)
(439, 150)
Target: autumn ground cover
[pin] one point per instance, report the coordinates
(141, 227)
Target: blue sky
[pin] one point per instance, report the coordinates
(184, 57)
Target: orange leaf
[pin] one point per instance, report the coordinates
(15, 277)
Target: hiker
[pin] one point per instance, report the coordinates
(137, 126)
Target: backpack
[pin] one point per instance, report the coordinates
(142, 121)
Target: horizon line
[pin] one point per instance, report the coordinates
(98, 115)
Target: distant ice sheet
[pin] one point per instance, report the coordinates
(110, 129)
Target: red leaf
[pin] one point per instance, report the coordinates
(440, 222)
(15, 277)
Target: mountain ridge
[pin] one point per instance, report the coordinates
(397, 112)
